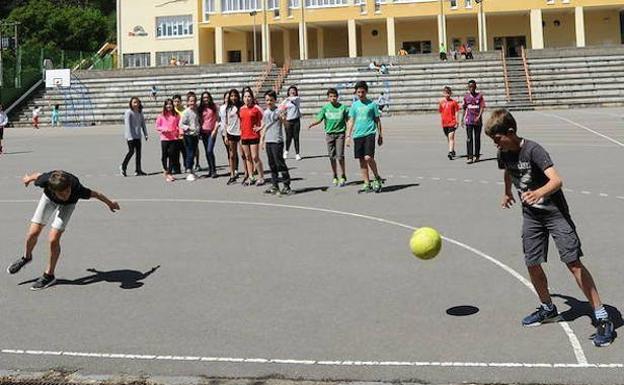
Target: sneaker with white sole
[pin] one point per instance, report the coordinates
(604, 333)
(298, 157)
(17, 265)
(191, 177)
(285, 154)
(541, 316)
(44, 281)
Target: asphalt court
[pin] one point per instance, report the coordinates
(200, 278)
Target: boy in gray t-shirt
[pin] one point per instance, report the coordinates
(272, 140)
(545, 212)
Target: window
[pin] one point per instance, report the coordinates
(174, 26)
(135, 60)
(468, 4)
(174, 58)
(234, 56)
(209, 6)
(453, 4)
(324, 3)
(273, 4)
(293, 4)
(240, 5)
(416, 47)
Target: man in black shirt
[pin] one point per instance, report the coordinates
(545, 212)
(61, 192)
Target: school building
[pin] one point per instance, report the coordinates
(168, 32)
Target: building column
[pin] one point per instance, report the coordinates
(482, 25)
(391, 36)
(579, 22)
(537, 29)
(303, 44)
(286, 39)
(352, 37)
(266, 42)
(320, 41)
(442, 30)
(219, 45)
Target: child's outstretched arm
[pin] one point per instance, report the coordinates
(316, 123)
(28, 179)
(112, 205)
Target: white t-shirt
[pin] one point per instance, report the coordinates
(232, 121)
(222, 117)
(36, 112)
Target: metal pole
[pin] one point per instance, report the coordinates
(18, 62)
(305, 30)
(254, 38)
(1, 47)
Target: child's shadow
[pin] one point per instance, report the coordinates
(580, 309)
(129, 279)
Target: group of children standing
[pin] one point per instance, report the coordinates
(244, 127)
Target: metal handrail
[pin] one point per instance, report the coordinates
(263, 76)
(527, 74)
(506, 75)
(279, 82)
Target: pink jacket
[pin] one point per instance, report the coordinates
(167, 126)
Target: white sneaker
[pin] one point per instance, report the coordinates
(285, 154)
(298, 157)
(190, 177)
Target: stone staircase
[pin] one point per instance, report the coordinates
(518, 86)
(413, 84)
(108, 92)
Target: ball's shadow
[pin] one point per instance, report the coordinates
(462, 311)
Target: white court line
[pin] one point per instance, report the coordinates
(276, 361)
(574, 341)
(572, 122)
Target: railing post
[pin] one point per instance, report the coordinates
(527, 74)
(506, 75)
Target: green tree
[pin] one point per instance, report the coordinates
(69, 25)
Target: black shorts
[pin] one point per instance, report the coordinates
(1, 133)
(538, 225)
(249, 142)
(448, 130)
(233, 138)
(364, 146)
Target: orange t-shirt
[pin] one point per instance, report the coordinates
(448, 109)
(250, 117)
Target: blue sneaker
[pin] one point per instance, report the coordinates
(541, 316)
(604, 333)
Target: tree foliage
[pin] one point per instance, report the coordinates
(79, 25)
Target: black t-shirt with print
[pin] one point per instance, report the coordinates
(78, 191)
(527, 174)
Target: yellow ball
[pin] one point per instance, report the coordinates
(425, 243)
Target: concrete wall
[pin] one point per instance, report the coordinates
(462, 28)
(374, 45)
(508, 25)
(144, 13)
(562, 36)
(237, 41)
(602, 27)
(417, 30)
(336, 42)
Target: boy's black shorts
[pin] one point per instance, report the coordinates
(448, 130)
(364, 146)
(537, 225)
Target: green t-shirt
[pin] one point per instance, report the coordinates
(364, 114)
(335, 118)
